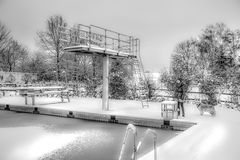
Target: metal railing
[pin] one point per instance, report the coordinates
(154, 136)
(100, 37)
(132, 128)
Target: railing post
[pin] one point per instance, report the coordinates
(136, 47)
(130, 45)
(79, 34)
(90, 37)
(118, 43)
(105, 39)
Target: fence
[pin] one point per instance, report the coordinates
(197, 96)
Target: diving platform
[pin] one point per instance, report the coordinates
(86, 49)
(94, 40)
(82, 39)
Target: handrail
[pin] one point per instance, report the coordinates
(83, 25)
(132, 128)
(110, 30)
(82, 34)
(154, 134)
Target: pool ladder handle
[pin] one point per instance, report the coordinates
(132, 128)
(154, 135)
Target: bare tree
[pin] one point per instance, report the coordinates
(22, 61)
(4, 37)
(50, 39)
(12, 55)
(38, 64)
(4, 41)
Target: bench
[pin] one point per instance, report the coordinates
(63, 94)
(3, 90)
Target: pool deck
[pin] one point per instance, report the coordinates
(121, 111)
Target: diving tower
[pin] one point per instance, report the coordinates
(95, 40)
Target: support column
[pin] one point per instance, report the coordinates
(105, 104)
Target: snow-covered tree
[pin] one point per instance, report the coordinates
(118, 80)
(50, 40)
(183, 69)
(219, 49)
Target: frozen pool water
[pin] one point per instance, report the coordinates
(30, 137)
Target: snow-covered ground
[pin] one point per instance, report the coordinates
(129, 108)
(212, 138)
(92, 105)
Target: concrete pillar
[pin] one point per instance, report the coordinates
(105, 104)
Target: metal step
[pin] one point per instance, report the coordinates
(138, 70)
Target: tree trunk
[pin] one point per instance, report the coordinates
(10, 68)
(75, 75)
(58, 66)
(94, 65)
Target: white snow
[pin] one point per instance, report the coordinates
(97, 49)
(92, 105)
(212, 138)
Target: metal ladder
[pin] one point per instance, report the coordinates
(139, 75)
(132, 128)
(154, 135)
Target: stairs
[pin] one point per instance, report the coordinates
(140, 83)
(139, 76)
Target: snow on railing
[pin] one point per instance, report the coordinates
(94, 36)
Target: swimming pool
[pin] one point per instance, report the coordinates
(30, 137)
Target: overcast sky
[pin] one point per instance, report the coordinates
(160, 24)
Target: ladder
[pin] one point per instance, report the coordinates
(140, 78)
(133, 129)
(153, 133)
(136, 148)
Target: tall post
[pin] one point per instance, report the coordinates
(105, 104)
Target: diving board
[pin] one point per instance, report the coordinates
(87, 49)
(94, 40)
